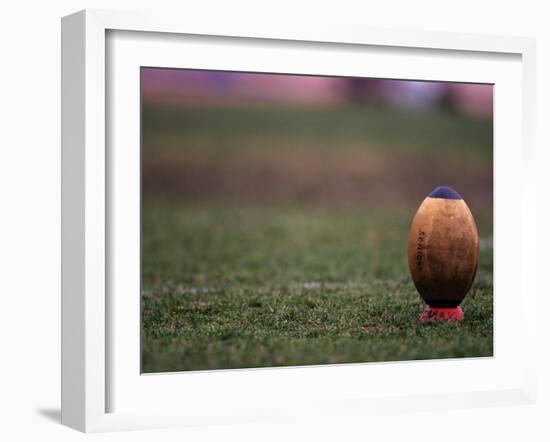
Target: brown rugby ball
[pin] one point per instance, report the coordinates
(443, 248)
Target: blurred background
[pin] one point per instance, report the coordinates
(313, 140)
(303, 187)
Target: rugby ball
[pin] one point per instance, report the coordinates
(443, 248)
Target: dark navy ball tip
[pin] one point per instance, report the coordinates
(445, 192)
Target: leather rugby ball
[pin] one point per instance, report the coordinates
(443, 248)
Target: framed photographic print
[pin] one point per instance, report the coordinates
(269, 223)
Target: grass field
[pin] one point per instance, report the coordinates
(237, 273)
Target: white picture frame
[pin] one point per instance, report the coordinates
(90, 358)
